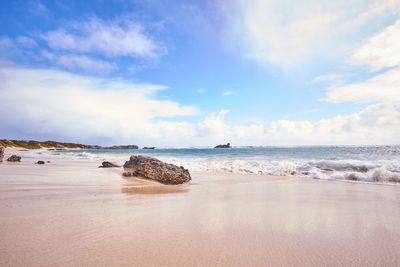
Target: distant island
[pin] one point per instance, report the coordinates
(148, 147)
(31, 144)
(228, 145)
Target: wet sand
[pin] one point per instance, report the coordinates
(71, 213)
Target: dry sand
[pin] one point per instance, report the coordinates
(71, 213)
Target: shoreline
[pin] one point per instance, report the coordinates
(119, 159)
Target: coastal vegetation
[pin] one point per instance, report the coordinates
(31, 144)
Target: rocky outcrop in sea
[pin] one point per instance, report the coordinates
(154, 169)
(228, 145)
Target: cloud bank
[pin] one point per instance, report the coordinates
(49, 104)
(53, 104)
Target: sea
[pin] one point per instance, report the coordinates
(355, 163)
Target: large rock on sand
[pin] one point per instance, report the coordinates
(154, 169)
(1, 153)
(14, 158)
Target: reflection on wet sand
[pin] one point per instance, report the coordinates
(141, 186)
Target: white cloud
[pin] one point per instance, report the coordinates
(376, 124)
(82, 62)
(213, 129)
(122, 38)
(285, 34)
(93, 45)
(20, 48)
(54, 104)
(381, 50)
(384, 87)
(214, 124)
(228, 93)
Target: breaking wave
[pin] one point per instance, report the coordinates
(367, 166)
(383, 171)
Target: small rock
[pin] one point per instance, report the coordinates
(107, 164)
(14, 158)
(352, 177)
(154, 169)
(40, 162)
(148, 147)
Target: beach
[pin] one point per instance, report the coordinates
(200, 133)
(69, 212)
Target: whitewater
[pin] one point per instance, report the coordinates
(356, 163)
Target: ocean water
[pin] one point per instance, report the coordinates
(360, 163)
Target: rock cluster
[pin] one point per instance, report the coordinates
(40, 162)
(1, 153)
(154, 169)
(14, 158)
(228, 145)
(107, 164)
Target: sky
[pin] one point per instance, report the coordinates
(200, 73)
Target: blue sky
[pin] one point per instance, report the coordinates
(180, 73)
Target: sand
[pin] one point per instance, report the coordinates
(71, 213)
